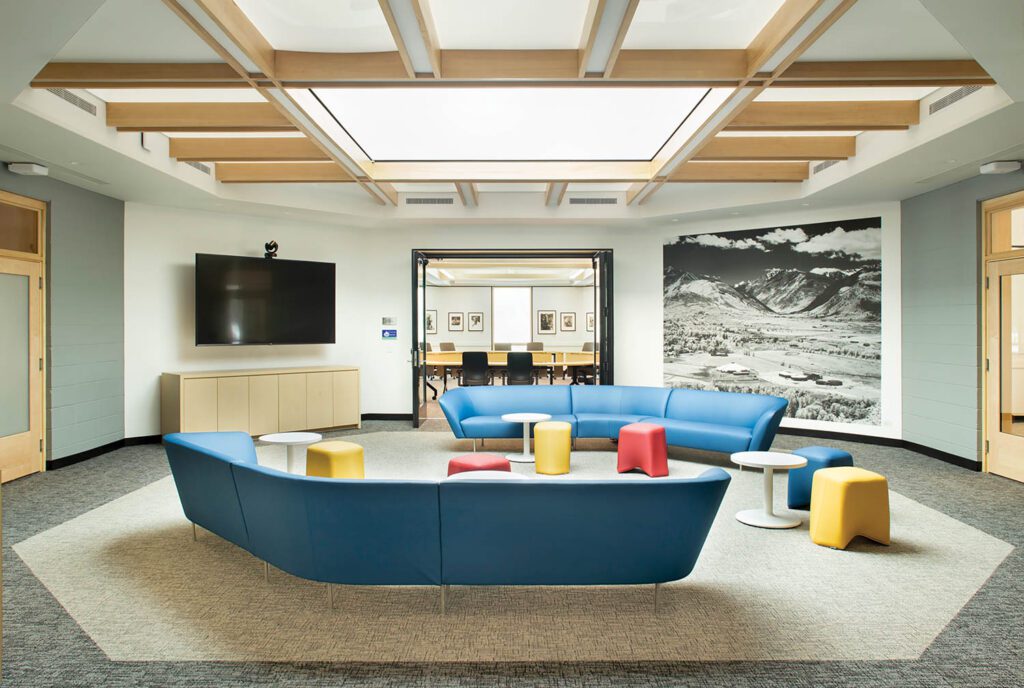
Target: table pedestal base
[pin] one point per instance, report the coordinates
(759, 519)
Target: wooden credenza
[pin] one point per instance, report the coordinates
(260, 401)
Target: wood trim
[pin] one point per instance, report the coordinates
(396, 35)
(827, 116)
(282, 173)
(468, 194)
(740, 172)
(197, 117)
(38, 206)
(592, 22)
(620, 36)
(236, 25)
(780, 28)
(429, 34)
(778, 148)
(245, 150)
(297, 67)
(681, 65)
(154, 74)
(555, 193)
(886, 71)
(509, 64)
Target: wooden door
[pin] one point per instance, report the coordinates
(22, 365)
(1004, 383)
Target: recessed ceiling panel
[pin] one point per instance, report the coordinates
(886, 30)
(509, 24)
(135, 31)
(392, 124)
(344, 26)
(697, 24)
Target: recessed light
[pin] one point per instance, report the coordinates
(74, 162)
(734, 213)
(805, 204)
(951, 161)
(675, 219)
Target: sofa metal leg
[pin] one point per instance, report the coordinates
(444, 592)
(194, 538)
(657, 589)
(266, 572)
(330, 595)
(474, 445)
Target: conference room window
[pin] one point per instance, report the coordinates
(511, 322)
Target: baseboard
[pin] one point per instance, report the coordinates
(70, 460)
(945, 457)
(145, 439)
(387, 416)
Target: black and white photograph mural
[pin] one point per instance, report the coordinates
(790, 311)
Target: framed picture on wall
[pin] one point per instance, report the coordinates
(455, 323)
(567, 322)
(590, 322)
(476, 322)
(430, 322)
(546, 322)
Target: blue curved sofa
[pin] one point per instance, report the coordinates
(714, 421)
(460, 532)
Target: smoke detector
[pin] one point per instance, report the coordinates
(1000, 167)
(28, 168)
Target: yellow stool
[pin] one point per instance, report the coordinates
(335, 459)
(846, 502)
(552, 444)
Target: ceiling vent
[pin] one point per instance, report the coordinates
(957, 95)
(824, 165)
(593, 200)
(423, 200)
(79, 102)
(205, 169)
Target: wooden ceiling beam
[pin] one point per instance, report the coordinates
(396, 35)
(484, 65)
(152, 74)
(554, 194)
(281, 149)
(887, 72)
(468, 194)
(280, 173)
(298, 67)
(198, 117)
(751, 172)
(827, 116)
(510, 171)
(778, 148)
(429, 34)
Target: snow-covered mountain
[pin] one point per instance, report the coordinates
(690, 290)
(860, 299)
(787, 290)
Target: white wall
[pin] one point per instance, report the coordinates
(578, 300)
(463, 300)
(373, 281)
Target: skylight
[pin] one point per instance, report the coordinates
(510, 123)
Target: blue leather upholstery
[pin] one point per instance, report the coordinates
(714, 421)
(352, 532)
(801, 479)
(201, 465)
(570, 532)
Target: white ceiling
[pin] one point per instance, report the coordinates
(510, 273)
(697, 24)
(887, 30)
(498, 24)
(136, 31)
(178, 95)
(510, 124)
(317, 26)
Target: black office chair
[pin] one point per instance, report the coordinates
(502, 347)
(475, 371)
(586, 375)
(535, 346)
(520, 370)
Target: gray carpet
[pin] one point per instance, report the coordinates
(981, 646)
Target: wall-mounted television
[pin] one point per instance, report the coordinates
(242, 300)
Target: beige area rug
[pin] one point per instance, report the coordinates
(129, 573)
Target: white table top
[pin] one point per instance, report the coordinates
(291, 438)
(768, 459)
(525, 417)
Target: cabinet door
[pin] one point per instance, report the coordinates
(346, 397)
(319, 400)
(291, 391)
(263, 404)
(199, 405)
(233, 404)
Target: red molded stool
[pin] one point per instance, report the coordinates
(642, 445)
(478, 462)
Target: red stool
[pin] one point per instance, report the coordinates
(478, 462)
(642, 445)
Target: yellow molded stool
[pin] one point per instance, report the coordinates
(552, 444)
(335, 459)
(846, 502)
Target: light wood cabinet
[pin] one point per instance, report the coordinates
(260, 401)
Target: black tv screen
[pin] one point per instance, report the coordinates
(243, 300)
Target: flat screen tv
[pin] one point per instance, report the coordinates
(242, 300)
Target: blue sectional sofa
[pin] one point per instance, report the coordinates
(714, 421)
(464, 532)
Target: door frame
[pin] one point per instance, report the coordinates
(39, 258)
(989, 257)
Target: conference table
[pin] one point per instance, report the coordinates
(543, 360)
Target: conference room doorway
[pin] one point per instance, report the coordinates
(543, 317)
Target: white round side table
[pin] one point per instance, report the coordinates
(770, 462)
(294, 441)
(525, 419)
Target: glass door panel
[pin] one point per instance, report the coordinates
(1005, 368)
(14, 363)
